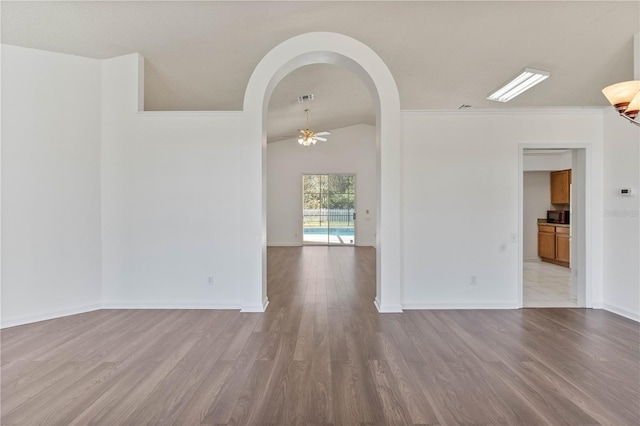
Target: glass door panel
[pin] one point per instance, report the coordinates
(314, 209)
(341, 209)
(328, 209)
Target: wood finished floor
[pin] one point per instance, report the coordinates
(321, 355)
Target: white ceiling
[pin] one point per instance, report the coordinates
(200, 55)
(340, 99)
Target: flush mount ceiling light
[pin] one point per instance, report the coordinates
(625, 98)
(528, 78)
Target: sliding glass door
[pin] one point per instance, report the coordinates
(328, 209)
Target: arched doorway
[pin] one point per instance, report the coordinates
(337, 49)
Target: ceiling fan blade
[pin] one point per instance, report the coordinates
(320, 139)
(322, 133)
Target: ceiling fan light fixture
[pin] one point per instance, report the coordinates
(307, 141)
(309, 137)
(528, 78)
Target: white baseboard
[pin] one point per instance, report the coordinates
(165, 305)
(387, 309)
(622, 312)
(13, 322)
(256, 307)
(28, 319)
(460, 305)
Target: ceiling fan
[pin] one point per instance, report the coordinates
(309, 137)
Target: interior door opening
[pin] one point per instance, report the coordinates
(328, 210)
(553, 228)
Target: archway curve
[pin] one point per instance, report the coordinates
(344, 51)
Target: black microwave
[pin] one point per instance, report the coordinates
(558, 216)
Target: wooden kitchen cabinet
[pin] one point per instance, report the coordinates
(560, 181)
(563, 244)
(546, 242)
(554, 244)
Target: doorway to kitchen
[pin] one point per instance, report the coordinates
(328, 209)
(553, 230)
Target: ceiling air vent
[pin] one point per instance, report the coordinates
(305, 98)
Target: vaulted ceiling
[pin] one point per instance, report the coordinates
(442, 54)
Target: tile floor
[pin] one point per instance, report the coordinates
(547, 286)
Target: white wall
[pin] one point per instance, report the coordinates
(536, 202)
(622, 218)
(50, 185)
(173, 208)
(546, 161)
(172, 201)
(350, 150)
(461, 201)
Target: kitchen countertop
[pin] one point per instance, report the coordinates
(544, 222)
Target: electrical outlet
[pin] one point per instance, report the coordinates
(474, 279)
(210, 280)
